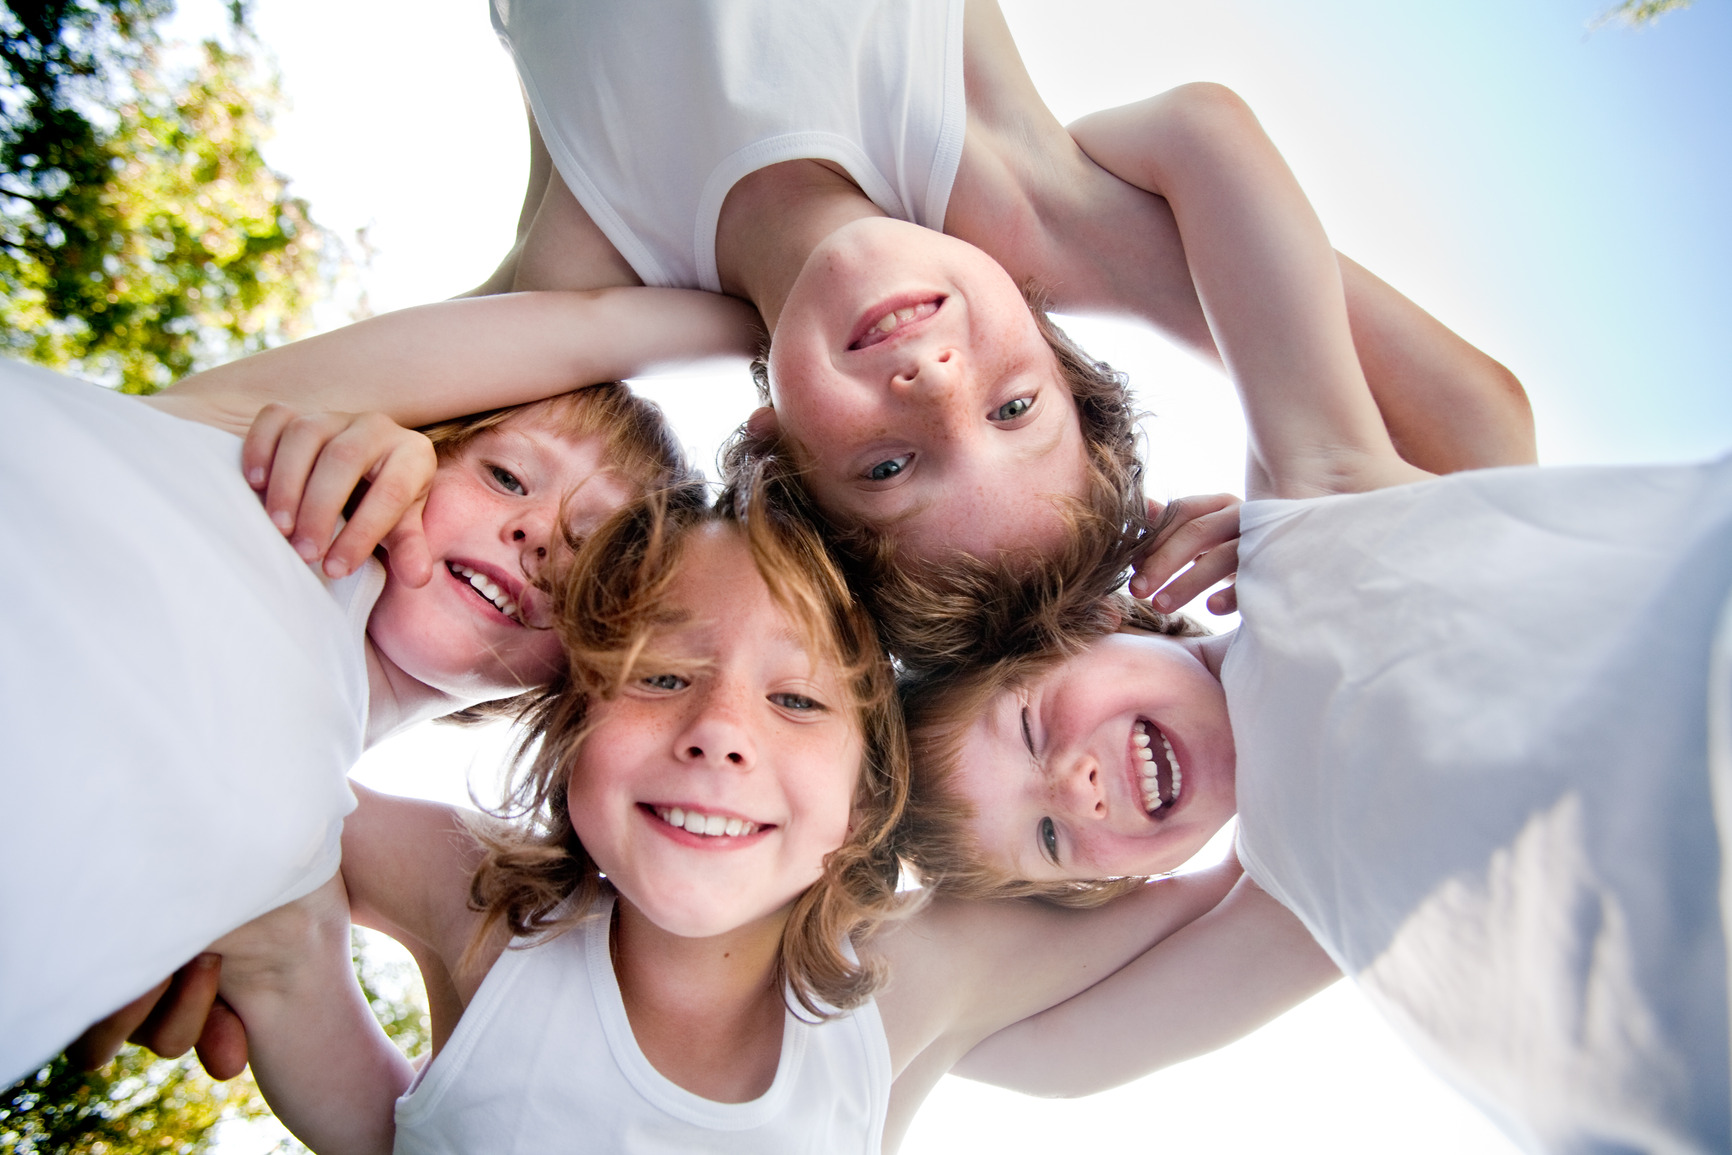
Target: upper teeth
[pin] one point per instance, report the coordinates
(711, 824)
(888, 322)
(1142, 741)
(486, 588)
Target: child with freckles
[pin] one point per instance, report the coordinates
(228, 686)
(1477, 730)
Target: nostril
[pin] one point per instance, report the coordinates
(694, 751)
(518, 535)
(736, 759)
(541, 552)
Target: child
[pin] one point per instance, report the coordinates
(673, 946)
(229, 689)
(803, 158)
(1469, 739)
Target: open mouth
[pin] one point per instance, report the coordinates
(706, 825)
(886, 324)
(1158, 767)
(486, 589)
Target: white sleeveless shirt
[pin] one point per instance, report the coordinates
(544, 1060)
(181, 699)
(653, 109)
(1472, 719)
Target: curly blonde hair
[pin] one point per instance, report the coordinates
(611, 600)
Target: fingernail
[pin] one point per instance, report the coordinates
(282, 521)
(335, 568)
(306, 548)
(1163, 602)
(256, 477)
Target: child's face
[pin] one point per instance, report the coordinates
(955, 427)
(1057, 775)
(740, 733)
(478, 630)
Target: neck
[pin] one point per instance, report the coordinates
(705, 1011)
(396, 700)
(770, 223)
(1212, 650)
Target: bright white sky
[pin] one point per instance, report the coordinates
(1553, 193)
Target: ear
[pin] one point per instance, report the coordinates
(762, 424)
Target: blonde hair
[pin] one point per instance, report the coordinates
(610, 602)
(935, 836)
(928, 609)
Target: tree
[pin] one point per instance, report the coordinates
(1636, 13)
(142, 235)
(139, 1103)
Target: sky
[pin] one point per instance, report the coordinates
(1551, 190)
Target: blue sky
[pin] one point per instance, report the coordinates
(1556, 195)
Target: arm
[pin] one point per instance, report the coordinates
(1215, 980)
(448, 359)
(319, 1056)
(1445, 405)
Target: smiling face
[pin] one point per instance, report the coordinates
(478, 630)
(710, 789)
(1117, 762)
(907, 368)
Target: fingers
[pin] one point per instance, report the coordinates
(260, 446)
(397, 486)
(178, 1018)
(101, 1042)
(1197, 530)
(222, 1045)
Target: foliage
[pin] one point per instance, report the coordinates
(1636, 13)
(142, 235)
(139, 1103)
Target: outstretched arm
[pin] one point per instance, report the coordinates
(1269, 283)
(1446, 405)
(319, 1056)
(451, 358)
(1217, 979)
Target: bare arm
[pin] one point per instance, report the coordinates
(319, 1056)
(1217, 979)
(1446, 405)
(1270, 286)
(434, 362)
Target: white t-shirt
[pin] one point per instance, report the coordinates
(544, 1059)
(1471, 718)
(654, 110)
(181, 699)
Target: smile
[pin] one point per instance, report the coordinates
(708, 825)
(1157, 765)
(487, 588)
(891, 320)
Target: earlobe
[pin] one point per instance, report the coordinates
(762, 424)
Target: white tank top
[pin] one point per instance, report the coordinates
(543, 1060)
(1472, 718)
(654, 109)
(181, 699)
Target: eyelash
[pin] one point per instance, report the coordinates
(654, 679)
(1048, 832)
(787, 702)
(1026, 402)
(508, 479)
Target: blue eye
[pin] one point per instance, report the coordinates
(665, 682)
(885, 470)
(796, 702)
(1011, 410)
(1049, 839)
(507, 480)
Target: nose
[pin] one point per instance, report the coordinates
(528, 531)
(928, 370)
(716, 733)
(1078, 791)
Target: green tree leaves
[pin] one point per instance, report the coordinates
(142, 235)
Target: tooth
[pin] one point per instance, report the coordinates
(715, 824)
(886, 323)
(734, 827)
(1140, 738)
(905, 315)
(748, 828)
(509, 608)
(694, 822)
(1177, 781)
(1146, 754)
(676, 817)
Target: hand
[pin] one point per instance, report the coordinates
(181, 1011)
(307, 467)
(1202, 532)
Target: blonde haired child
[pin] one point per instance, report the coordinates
(883, 182)
(1477, 732)
(230, 687)
(686, 941)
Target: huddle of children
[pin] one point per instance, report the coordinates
(684, 929)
